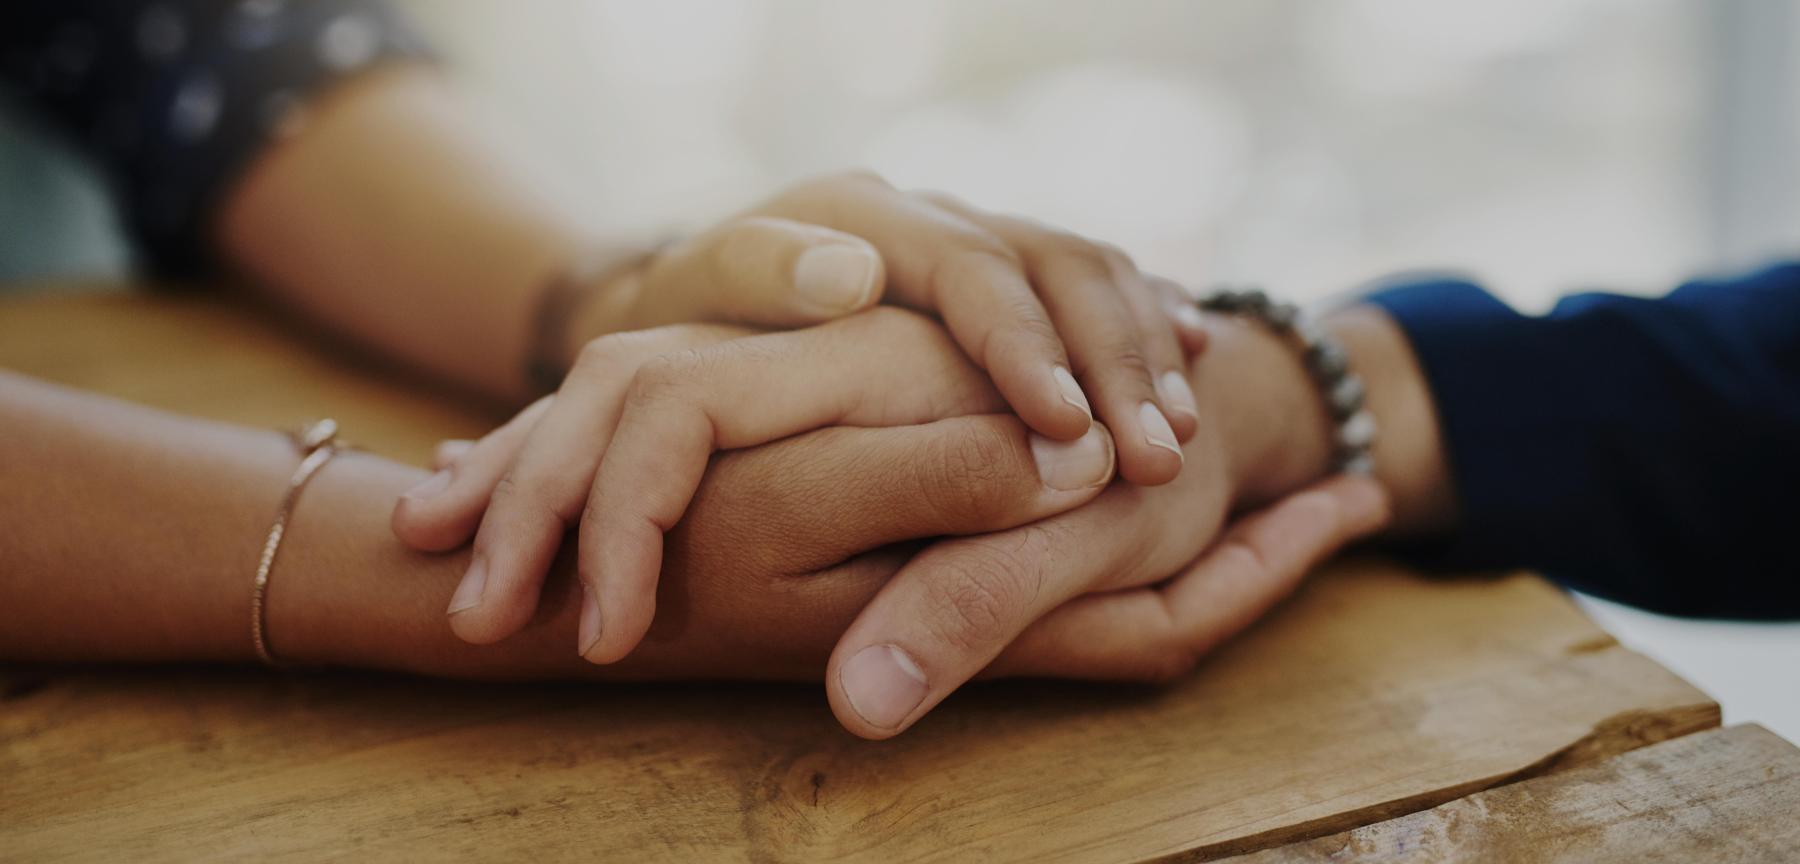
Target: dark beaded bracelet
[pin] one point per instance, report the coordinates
(1353, 438)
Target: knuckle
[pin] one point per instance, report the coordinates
(662, 376)
(606, 352)
(1242, 559)
(1120, 357)
(1116, 258)
(860, 176)
(1026, 331)
(940, 198)
(1079, 255)
(526, 502)
(742, 239)
(975, 599)
(968, 258)
(962, 473)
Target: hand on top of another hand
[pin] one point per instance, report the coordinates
(1111, 589)
(1067, 328)
(629, 433)
(622, 448)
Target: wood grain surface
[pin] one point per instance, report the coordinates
(1728, 795)
(1374, 693)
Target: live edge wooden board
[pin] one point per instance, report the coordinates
(1374, 694)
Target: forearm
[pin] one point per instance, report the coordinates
(397, 217)
(127, 533)
(132, 535)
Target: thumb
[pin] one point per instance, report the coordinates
(761, 270)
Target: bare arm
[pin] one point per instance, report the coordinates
(129, 534)
(397, 217)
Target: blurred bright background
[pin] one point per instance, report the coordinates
(1542, 144)
(1307, 145)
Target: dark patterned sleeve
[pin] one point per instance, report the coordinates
(175, 98)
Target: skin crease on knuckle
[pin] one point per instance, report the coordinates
(970, 602)
(956, 386)
(1121, 356)
(974, 598)
(528, 504)
(606, 354)
(663, 376)
(974, 253)
(960, 476)
(778, 499)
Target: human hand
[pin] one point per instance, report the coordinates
(1076, 594)
(1054, 318)
(959, 604)
(1059, 321)
(998, 282)
(778, 555)
(653, 405)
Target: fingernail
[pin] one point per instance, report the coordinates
(1188, 316)
(1156, 428)
(836, 275)
(452, 449)
(1070, 391)
(431, 487)
(468, 592)
(589, 632)
(1175, 392)
(883, 685)
(1078, 464)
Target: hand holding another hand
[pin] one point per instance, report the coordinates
(787, 544)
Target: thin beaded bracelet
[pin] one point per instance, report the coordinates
(1326, 362)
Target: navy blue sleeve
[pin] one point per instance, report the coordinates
(1644, 450)
(174, 98)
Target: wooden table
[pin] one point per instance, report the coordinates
(1380, 715)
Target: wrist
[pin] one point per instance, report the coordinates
(1275, 431)
(1277, 435)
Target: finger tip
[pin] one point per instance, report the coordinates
(1056, 420)
(1194, 341)
(852, 721)
(605, 651)
(474, 628)
(1145, 464)
(1184, 423)
(416, 530)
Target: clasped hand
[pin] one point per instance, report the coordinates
(920, 502)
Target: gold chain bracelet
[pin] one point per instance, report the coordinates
(317, 443)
